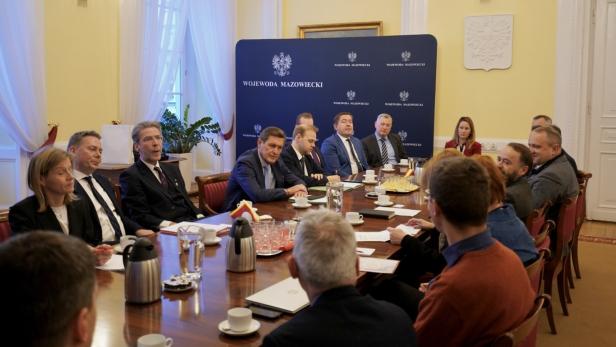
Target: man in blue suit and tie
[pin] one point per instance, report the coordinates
(259, 175)
(343, 152)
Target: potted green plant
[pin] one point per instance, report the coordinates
(180, 137)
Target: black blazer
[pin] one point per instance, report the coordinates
(343, 317)
(147, 202)
(247, 181)
(289, 157)
(130, 227)
(23, 217)
(372, 148)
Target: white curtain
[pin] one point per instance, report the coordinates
(212, 28)
(151, 43)
(22, 72)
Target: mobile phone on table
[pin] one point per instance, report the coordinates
(264, 312)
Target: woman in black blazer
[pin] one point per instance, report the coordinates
(53, 206)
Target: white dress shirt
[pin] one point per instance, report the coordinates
(354, 168)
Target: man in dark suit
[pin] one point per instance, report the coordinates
(343, 153)
(383, 147)
(515, 161)
(259, 175)
(543, 120)
(305, 118)
(297, 158)
(325, 262)
(153, 192)
(109, 222)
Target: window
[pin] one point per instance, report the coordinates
(174, 98)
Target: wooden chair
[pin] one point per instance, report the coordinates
(542, 239)
(212, 190)
(580, 217)
(536, 219)
(5, 227)
(524, 334)
(555, 268)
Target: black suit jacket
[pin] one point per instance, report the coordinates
(247, 181)
(130, 227)
(289, 157)
(23, 217)
(147, 202)
(372, 148)
(343, 317)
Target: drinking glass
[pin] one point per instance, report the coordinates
(334, 195)
(190, 250)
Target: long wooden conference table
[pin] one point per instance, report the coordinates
(192, 318)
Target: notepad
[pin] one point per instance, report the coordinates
(380, 236)
(377, 265)
(116, 263)
(286, 296)
(409, 230)
(406, 212)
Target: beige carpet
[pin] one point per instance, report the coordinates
(592, 316)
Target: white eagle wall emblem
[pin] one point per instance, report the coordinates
(282, 64)
(351, 95)
(406, 56)
(402, 135)
(258, 128)
(352, 56)
(404, 95)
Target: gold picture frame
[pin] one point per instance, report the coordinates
(357, 29)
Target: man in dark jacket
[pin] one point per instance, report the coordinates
(515, 161)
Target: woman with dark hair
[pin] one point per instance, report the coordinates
(53, 206)
(464, 138)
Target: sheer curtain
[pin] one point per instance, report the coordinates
(22, 86)
(22, 73)
(212, 28)
(151, 43)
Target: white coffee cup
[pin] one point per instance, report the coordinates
(388, 167)
(404, 162)
(369, 173)
(239, 318)
(354, 217)
(154, 340)
(246, 201)
(380, 190)
(383, 199)
(207, 235)
(127, 240)
(301, 200)
(369, 178)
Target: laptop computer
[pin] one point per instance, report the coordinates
(286, 296)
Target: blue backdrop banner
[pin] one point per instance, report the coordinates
(278, 79)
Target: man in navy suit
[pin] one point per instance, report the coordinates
(259, 175)
(305, 118)
(325, 262)
(383, 147)
(297, 158)
(109, 222)
(343, 153)
(153, 192)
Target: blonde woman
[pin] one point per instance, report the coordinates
(53, 206)
(464, 138)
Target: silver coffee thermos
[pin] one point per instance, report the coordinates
(142, 283)
(241, 251)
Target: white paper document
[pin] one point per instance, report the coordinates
(377, 265)
(114, 264)
(174, 228)
(381, 236)
(350, 185)
(365, 252)
(409, 230)
(286, 296)
(405, 212)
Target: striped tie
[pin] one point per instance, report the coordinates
(384, 156)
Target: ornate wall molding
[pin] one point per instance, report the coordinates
(488, 42)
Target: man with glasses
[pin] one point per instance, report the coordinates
(153, 193)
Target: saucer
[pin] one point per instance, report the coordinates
(224, 328)
(370, 182)
(388, 170)
(179, 290)
(301, 206)
(384, 204)
(213, 242)
(271, 254)
(372, 195)
(357, 222)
